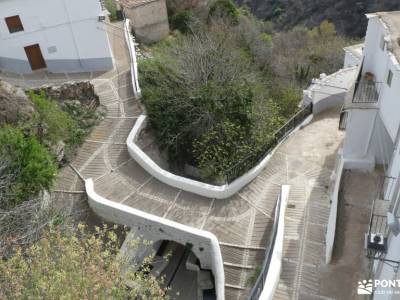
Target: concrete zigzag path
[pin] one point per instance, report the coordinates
(243, 222)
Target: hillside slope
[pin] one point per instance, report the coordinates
(348, 16)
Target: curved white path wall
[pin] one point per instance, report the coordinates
(132, 54)
(183, 183)
(205, 244)
(190, 185)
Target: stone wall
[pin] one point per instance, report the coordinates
(81, 91)
(149, 21)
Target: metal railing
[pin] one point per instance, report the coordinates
(253, 159)
(260, 282)
(366, 91)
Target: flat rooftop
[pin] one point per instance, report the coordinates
(392, 21)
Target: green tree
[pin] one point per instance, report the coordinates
(66, 264)
(29, 163)
(221, 148)
(182, 21)
(225, 9)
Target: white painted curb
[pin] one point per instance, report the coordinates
(190, 185)
(275, 267)
(183, 183)
(129, 216)
(132, 54)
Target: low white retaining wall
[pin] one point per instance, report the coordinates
(334, 197)
(132, 54)
(275, 266)
(205, 244)
(190, 185)
(329, 90)
(183, 183)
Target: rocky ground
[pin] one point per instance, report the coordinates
(14, 104)
(348, 16)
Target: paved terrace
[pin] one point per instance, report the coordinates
(243, 222)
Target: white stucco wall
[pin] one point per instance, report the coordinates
(386, 272)
(393, 175)
(360, 126)
(381, 145)
(205, 244)
(390, 100)
(351, 59)
(71, 26)
(379, 62)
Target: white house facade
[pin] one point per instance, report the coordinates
(371, 118)
(57, 35)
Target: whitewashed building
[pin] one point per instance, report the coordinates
(57, 35)
(371, 119)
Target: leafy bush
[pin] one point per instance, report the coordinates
(182, 21)
(52, 124)
(218, 95)
(220, 148)
(183, 108)
(29, 163)
(76, 265)
(303, 53)
(225, 9)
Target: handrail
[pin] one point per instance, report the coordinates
(366, 91)
(252, 159)
(272, 250)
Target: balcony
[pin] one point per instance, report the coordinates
(366, 91)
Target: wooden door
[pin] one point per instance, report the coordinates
(35, 57)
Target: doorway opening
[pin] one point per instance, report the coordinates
(35, 57)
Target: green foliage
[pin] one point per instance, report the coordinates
(325, 30)
(181, 112)
(182, 21)
(32, 167)
(225, 9)
(267, 38)
(218, 95)
(302, 73)
(112, 9)
(85, 118)
(287, 100)
(76, 265)
(220, 148)
(52, 124)
(254, 276)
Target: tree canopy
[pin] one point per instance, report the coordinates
(68, 264)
